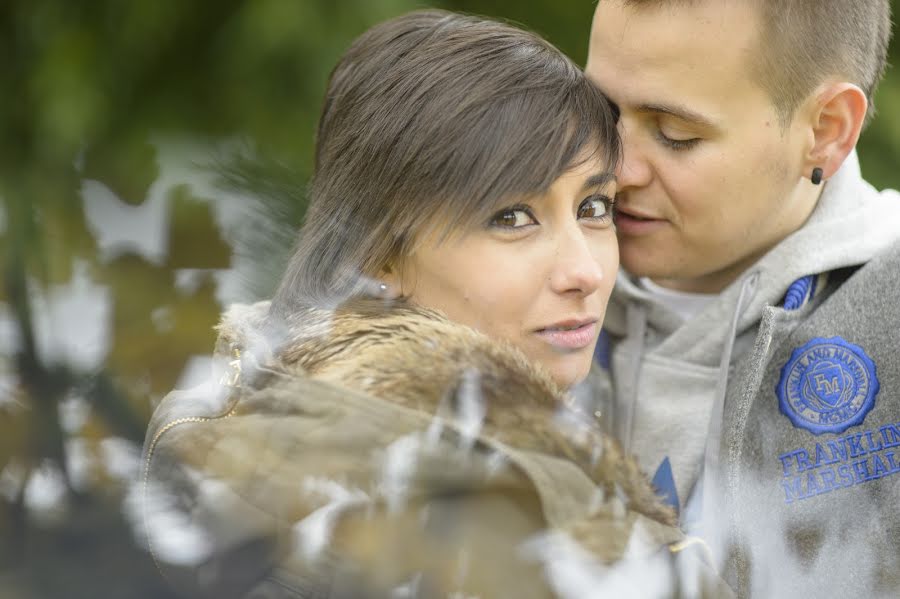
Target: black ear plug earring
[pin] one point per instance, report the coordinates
(816, 177)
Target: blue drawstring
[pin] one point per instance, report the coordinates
(602, 352)
(799, 292)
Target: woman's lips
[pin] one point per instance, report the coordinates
(577, 337)
(632, 224)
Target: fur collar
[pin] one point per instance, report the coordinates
(419, 359)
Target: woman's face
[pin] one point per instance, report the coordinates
(538, 274)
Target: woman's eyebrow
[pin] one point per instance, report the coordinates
(598, 180)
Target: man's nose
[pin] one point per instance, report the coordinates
(576, 270)
(633, 169)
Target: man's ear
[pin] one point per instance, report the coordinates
(838, 113)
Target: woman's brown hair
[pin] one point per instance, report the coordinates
(434, 118)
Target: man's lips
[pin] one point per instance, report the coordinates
(635, 222)
(572, 334)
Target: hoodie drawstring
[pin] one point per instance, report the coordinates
(636, 319)
(712, 458)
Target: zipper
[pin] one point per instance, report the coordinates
(232, 379)
(146, 481)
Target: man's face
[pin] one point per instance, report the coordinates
(709, 180)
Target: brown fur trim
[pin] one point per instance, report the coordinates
(418, 358)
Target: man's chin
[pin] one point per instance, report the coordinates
(640, 258)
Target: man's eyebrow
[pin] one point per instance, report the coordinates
(680, 112)
(599, 180)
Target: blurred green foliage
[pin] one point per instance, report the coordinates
(100, 73)
(86, 85)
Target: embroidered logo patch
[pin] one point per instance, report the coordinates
(827, 386)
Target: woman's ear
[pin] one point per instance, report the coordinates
(390, 283)
(837, 116)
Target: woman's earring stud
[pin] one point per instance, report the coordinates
(816, 177)
(382, 288)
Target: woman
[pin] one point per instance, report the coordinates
(456, 157)
(398, 421)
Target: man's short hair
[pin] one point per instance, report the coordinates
(803, 42)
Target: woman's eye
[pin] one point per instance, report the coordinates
(677, 144)
(512, 218)
(597, 207)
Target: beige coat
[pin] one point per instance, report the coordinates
(373, 452)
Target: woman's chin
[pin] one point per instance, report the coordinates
(569, 370)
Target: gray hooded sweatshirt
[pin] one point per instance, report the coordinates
(797, 354)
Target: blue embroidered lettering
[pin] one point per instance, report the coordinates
(854, 445)
(812, 485)
(846, 475)
(890, 436)
(786, 462)
(873, 445)
(826, 385)
(828, 480)
(822, 458)
(793, 490)
(802, 457)
(879, 468)
(838, 450)
(861, 468)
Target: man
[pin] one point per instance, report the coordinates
(754, 329)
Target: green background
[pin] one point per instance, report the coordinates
(87, 87)
(102, 72)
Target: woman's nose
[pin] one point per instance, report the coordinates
(576, 270)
